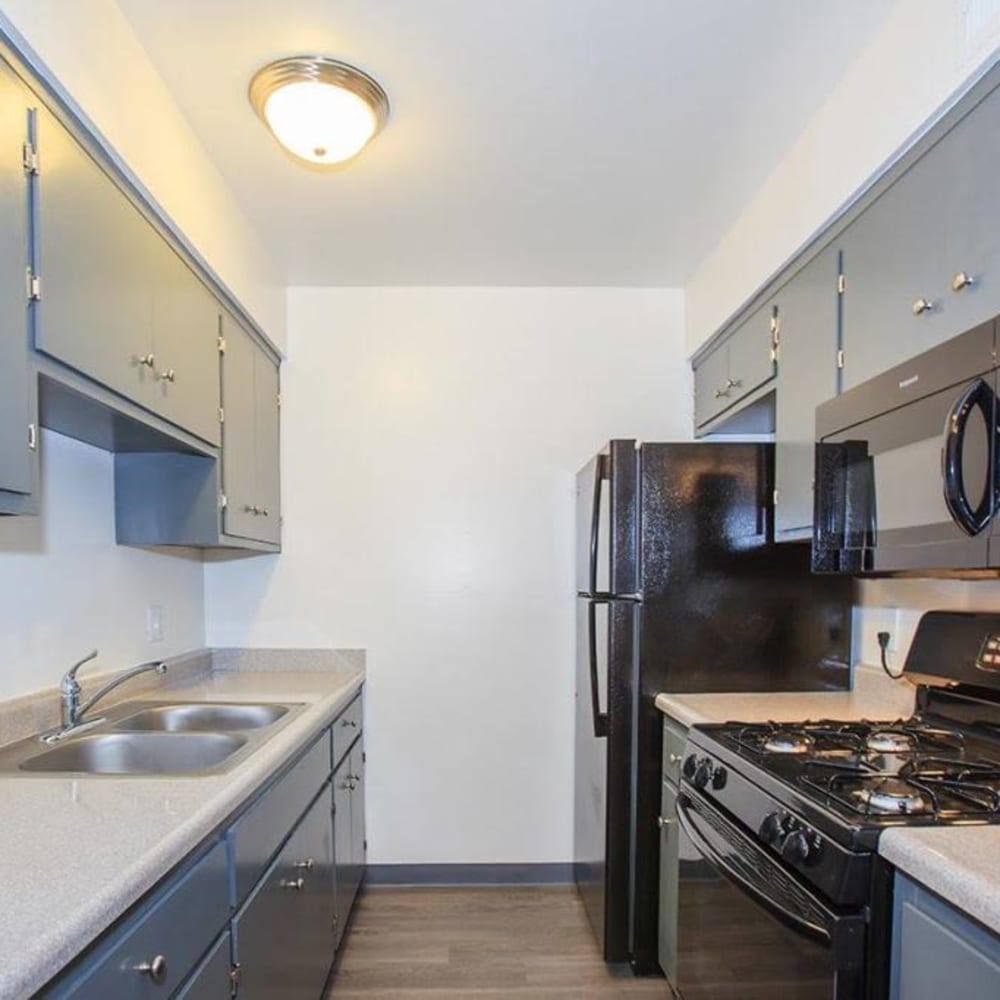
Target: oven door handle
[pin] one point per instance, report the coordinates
(979, 396)
(794, 920)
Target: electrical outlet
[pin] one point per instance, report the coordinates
(154, 623)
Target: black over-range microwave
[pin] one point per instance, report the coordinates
(906, 466)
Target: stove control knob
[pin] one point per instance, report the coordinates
(703, 773)
(719, 778)
(773, 828)
(689, 767)
(796, 848)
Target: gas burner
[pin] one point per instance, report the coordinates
(890, 741)
(891, 795)
(788, 741)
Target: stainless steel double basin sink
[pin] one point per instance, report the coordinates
(155, 738)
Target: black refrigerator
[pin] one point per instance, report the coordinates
(681, 588)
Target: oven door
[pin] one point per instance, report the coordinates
(749, 930)
(913, 488)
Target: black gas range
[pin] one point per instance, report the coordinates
(782, 893)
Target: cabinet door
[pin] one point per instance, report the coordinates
(667, 947)
(751, 354)
(972, 151)
(239, 432)
(283, 932)
(18, 386)
(894, 258)
(211, 980)
(268, 489)
(359, 844)
(95, 255)
(807, 375)
(185, 347)
(711, 393)
(343, 829)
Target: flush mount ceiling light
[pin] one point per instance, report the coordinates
(321, 110)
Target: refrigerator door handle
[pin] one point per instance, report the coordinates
(600, 474)
(600, 718)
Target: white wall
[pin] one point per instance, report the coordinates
(66, 587)
(915, 63)
(430, 443)
(90, 48)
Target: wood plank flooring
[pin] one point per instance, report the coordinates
(487, 943)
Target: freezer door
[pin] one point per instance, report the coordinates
(602, 793)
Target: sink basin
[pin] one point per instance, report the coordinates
(137, 753)
(203, 717)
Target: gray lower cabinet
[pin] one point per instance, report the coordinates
(674, 735)
(283, 932)
(737, 367)
(937, 951)
(117, 303)
(213, 978)
(250, 447)
(807, 374)
(922, 262)
(18, 384)
(349, 832)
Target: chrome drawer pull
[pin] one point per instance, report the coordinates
(921, 306)
(145, 360)
(295, 884)
(721, 393)
(675, 758)
(734, 383)
(962, 280)
(349, 722)
(156, 970)
(167, 376)
(306, 865)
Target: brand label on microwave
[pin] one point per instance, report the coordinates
(907, 382)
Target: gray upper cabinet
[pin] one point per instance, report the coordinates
(921, 261)
(117, 303)
(250, 446)
(807, 375)
(18, 384)
(737, 367)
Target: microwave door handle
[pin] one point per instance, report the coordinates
(979, 396)
(791, 919)
(600, 718)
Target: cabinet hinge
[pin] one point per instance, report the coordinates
(366, 843)
(223, 501)
(33, 284)
(841, 284)
(774, 354)
(279, 400)
(235, 978)
(29, 158)
(222, 344)
(774, 497)
(840, 359)
(222, 415)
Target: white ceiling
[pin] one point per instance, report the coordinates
(531, 142)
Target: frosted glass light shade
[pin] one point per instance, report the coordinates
(322, 111)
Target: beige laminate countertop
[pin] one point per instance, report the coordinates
(75, 853)
(875, 696)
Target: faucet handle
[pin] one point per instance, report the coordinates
(71, 673)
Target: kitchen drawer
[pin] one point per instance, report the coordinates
(284, 933)
(259, 834)
(346, 730)
(174, 927)
(211, 980)
(674, 735)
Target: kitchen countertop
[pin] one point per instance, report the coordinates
(959, 863)
(875, 696)
(75, 853)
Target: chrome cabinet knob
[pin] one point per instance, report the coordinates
(721, 393)
(675, 758)
(349, 722)
(733, 383)
(921, 306)
(306, 865)
(295, 884)
(145, 360)
(265, 512)
(167, 376)
(663, 821)
(962, 280)
(156, 969)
